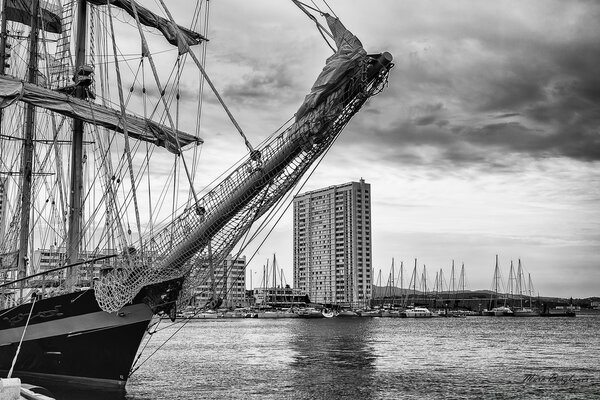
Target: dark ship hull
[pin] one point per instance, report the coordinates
(70, 341)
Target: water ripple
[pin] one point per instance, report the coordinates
(365, 358)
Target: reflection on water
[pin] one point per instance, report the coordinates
(330, 353)
(371, 358)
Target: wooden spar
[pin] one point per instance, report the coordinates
(3, 43)
(27, 158)
(75, 202)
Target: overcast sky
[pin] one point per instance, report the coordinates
(486, 141)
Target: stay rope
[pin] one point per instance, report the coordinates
(124, 121)
(254, 154)
(14, 361)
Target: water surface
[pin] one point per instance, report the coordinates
(370, 358)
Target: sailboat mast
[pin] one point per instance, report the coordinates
(3, 43)
(274, 279)
(75, 204)
(27, 159)
(496, 277)
(415, 284)
(461, 279)
(401, 276)
(511, 277)
(520, 282)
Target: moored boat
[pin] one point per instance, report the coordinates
(309, 312)
(370, 313)
(416, 312)
(346, 313)
(387, 313)
(525, 312)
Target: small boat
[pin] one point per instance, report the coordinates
(390, 314)
(347, 314)
(370, 313)
(416, 312)
(208, 314)
(501, 311)
(309, 312)
(525, 312)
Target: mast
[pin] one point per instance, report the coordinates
(401, 276)
(3, 43)
(519, 282)
(461, 279)
(393, 272)
(530, 288)
(75, 204)
(496, 277)
(511, 277)
(274, 279)
(452, 281)
(27, 160)
(415, 284)
(424, 280)
(379, 285)
(436, 286)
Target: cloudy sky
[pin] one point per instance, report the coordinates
(486, 141)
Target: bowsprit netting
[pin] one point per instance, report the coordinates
(224, 215)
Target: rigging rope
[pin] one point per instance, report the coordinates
(147, 53)
(124, 121)
(14, 361)
(253, 153)
(133, 370)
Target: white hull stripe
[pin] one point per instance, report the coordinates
(80, 323)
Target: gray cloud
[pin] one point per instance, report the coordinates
(455, 79)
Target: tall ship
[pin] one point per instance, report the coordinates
(103, 228)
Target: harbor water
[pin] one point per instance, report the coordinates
(369, 358)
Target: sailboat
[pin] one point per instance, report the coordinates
(276, 296)
(494, 310)
(90, 258)
(415, 311)
(523, 310)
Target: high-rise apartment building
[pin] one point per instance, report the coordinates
(332, 244)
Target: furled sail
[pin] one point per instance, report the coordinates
(337, 67)
(20, 11)
(12, 90)
(148, 18)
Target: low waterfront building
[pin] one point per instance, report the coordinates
(280, 297)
